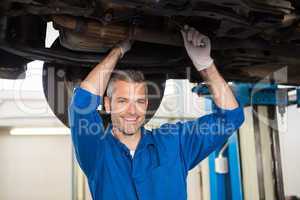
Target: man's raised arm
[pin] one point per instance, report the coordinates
(198, 47)
(86, 124)
(97, 80)
(198, 138)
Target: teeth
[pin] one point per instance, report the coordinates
(130, 119)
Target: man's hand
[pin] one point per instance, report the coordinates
(124, 46)
(198, 47)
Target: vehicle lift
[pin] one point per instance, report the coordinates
(227, 180)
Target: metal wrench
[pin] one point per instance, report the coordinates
(184, 28)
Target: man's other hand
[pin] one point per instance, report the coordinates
(124, 46)
(198, 47)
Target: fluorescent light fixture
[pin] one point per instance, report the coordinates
(40, 131)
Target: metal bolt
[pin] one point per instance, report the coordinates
(60, 73)
(108, 17)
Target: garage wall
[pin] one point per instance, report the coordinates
(35, 167)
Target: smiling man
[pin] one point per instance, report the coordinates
(128, 162)
(127, 102)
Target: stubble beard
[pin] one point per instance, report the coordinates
(117, 125)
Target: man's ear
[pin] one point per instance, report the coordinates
(107, 104)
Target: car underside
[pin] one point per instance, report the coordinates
(250, 38)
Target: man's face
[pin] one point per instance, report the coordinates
(128, 106)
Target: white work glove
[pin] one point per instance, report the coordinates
(125, 46)
(198, 47)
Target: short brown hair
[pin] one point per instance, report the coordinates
(125, 75)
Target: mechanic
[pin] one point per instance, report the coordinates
(126, 161)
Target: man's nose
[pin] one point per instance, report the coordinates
(132, 108)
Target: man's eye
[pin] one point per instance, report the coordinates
(141, 101)
(121, 101)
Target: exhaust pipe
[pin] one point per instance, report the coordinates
(112, 33)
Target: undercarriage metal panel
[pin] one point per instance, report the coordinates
(245, 34)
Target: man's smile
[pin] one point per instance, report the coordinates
(131, 119)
